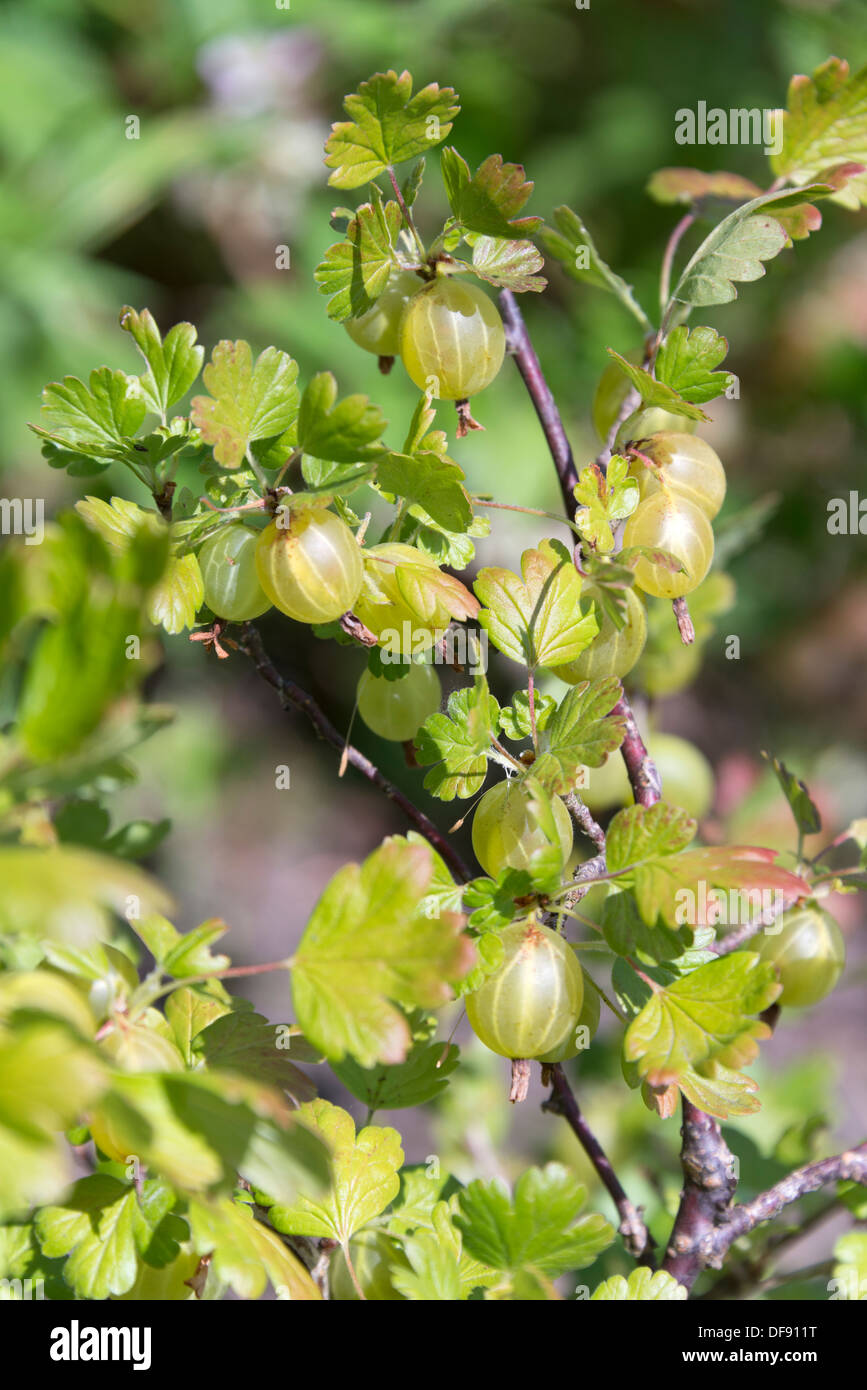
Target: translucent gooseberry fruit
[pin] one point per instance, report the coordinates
(690, 468)
(310, 567)
(611, 391)
(228, 565)
(396, 709)
(374, 1256)
(663, 671)
(505, 834)
(452, 339)
(652, 419)
(809, 952)
(686, 775)
(614, 651)
(381, 605)
(168, 1284)
(533, 1001)
(664, 522)
(575, 1040)
(378, 330)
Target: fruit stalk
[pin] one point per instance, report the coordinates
(562, 1101)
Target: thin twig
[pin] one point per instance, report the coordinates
(584, 818)
(636, 1237)
(519, 345)
(293, 697)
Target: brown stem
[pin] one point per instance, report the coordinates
(708, 1186)
(562, 1101)
(585, 819)
(293, 697)
(519, 345)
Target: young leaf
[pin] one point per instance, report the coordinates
(488, 200)
(655, 392)
(247, 402)
(539, 1230)
(515, 719)
(344, 432)
(507, 264)
(796, 792)
(68, 894)
(676, 185)
(493, 907)
(572, 245)
(686, 362)
(366, 945)
(432, 480)
(581, 733)
(388, 125)
(244, 1254)
(735, 249)
(173, 363)
(825, 125)
(457, 743)
(98, 419)
(355, 271)
(646, 848)
(850, 1268)
(440, 1270)
(642, 1286)
(605, 498)
(364, 1177)
(536, 620)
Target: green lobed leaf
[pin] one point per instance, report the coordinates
(355, 271)
(245, 1042)
(735, 249)
(387, 126)
(604, 498)
(642, 1286)
(536, 619)
(488, 200)
(510, 265)
(581, 733)
(364, 1177)
(826, 125)
(367, 945)
(173, 363)
(703, 1016)
(421, 1078)
(346, 432)
(457, 742)
(539, 1229)
(102, 1230)
(245, 1254)
(515, 718)
(98, 417)
(571, 244)
(432, 480)
(686, 362)
(655, 392)
(248, 401)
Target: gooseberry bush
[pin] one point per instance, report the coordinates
(159, 1139)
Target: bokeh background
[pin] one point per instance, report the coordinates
(234, 100)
